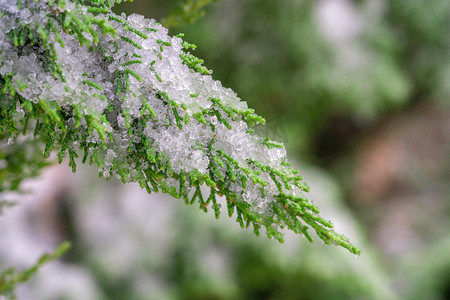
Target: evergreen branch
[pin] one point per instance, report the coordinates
(160, 119)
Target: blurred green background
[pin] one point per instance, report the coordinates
(359, 93)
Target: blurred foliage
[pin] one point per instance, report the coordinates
(423, 45)
(10, 278)
(187, 12)
(428, 272)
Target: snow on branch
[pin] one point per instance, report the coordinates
(129, 98)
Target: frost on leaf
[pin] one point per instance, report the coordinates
(129, 98)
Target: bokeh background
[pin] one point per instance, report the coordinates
(357, 90)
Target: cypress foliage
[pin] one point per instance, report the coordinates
(121, 94)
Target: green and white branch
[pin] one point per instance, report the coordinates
(133, 101)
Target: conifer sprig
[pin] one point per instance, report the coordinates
(127, 97)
